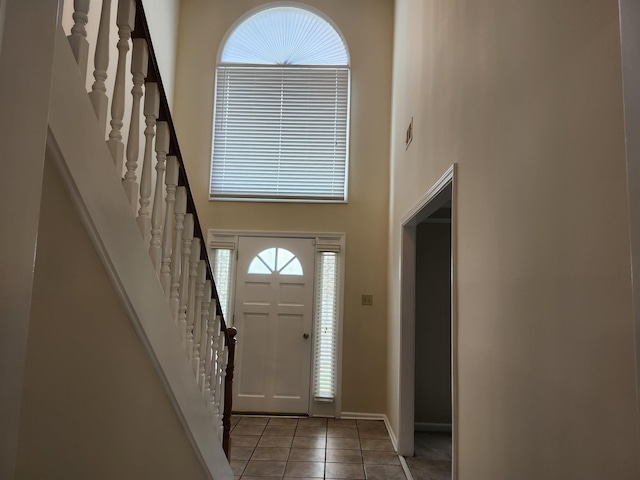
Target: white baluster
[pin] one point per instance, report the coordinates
(223, 374)
(139, 65)
(206, 342)
(215, 379)
(176, 254)
(215, 361)
(151, 111)
(193, 310)
(98, 95)
(78, 37)
(187, 239)
(194, 257)
(125, 21)
(218, 385)
(210, 331)
(162, 148)
(200, 347)
(171, 180)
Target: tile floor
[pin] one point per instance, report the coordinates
(265, 448)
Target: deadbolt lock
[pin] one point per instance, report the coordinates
(305, 335)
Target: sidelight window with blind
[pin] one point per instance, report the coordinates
(281, 117)
(326, 325)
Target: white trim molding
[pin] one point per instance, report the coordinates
(392, 437)
(405, 467)
(419, 212)
(630, 44)
(373, 416)
(441, 191)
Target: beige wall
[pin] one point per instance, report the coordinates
(526, 96)
(3, 6)
(367, 26)
(163, 17)
(23, 123)
(93, 404)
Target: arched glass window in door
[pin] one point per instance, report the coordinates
(275, 260)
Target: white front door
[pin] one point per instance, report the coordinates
(273, 315)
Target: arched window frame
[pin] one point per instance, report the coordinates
(275, 260)
(252, 163)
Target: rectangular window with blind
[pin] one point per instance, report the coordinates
(280, 134)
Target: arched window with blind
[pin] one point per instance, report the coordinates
(281, 116)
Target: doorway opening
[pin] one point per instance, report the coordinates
(432, 410)
(427, 416)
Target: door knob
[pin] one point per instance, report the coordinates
(305, 335)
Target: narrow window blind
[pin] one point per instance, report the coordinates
(222, 277)
(327, 280)
(280, 132)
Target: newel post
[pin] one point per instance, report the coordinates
(230, 340)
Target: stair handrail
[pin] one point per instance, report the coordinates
(141, 30)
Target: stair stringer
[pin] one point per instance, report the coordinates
(77, 146)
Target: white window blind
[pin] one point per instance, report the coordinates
(327, 283)
(281, 117)
(280, 133)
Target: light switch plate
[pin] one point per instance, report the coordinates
(367, 299)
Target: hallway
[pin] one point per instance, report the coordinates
(304, 448)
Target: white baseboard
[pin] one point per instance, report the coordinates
(431, 427)
(373, 416)
(392, 436)
(362, 416)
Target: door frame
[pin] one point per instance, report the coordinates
(629, 44)
(222, 238)
(427, 205)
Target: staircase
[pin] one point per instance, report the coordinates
(132, 195)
